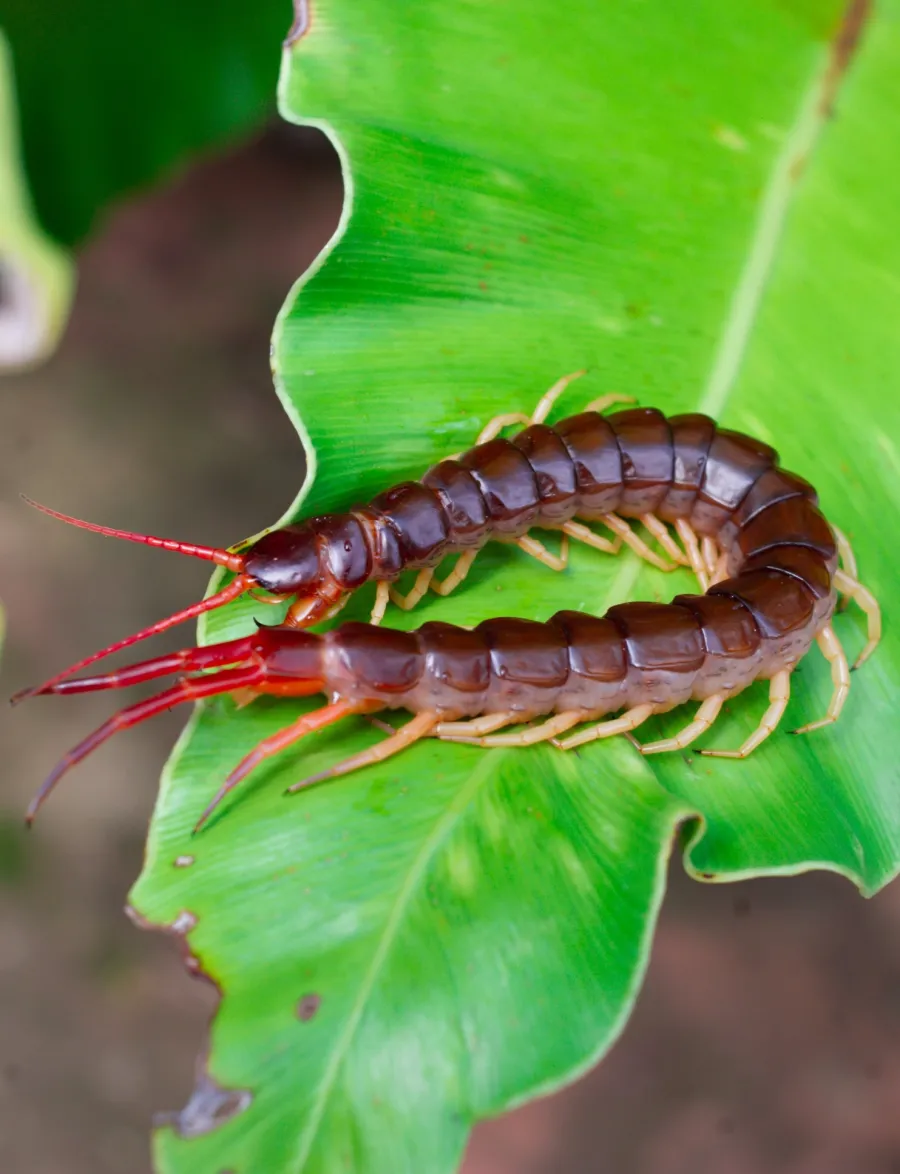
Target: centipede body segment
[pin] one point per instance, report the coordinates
(750, 529)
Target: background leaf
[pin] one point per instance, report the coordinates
(35, 278)
(658, 193)
(112, 98)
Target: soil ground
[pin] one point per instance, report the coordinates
(766, 1038)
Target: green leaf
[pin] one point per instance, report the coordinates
(111, 98)
(35, 277)
(696, 202)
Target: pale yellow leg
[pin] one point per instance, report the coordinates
(495, 426)
(866, 601)
(638, 545)
(779, 694)
(542, 733)
(605, 401)
(845, 552)
(710, 553)
(691, 544)
(418, 589)
(721, 570)
(582, 534)
(476, 727)
(549, 398)
(544, 407)
(419, 727)
(338, 607)
(382, 595)
(542, 554)
(664, 538)
(706, 715)
(831, 649)
(456, 576)
(618, 725)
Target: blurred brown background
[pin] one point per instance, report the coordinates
(766, 1038)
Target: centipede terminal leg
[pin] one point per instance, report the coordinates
(658, 529)
(537, 550)
(779, 695)
(545, 732)
(638, 545)
(866, 601)
(457, 575)
(692, 545)
(831, 649)
(416, 592)
(317, 720)
(608, 729)
(420, 726)
(705, 716)
(474, 728)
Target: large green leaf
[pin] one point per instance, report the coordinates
(657, 192)
(112, 97)
(35, 278)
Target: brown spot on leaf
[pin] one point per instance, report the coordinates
(300, 27)
(210, 1106)
(308, 1007)
(843, 49)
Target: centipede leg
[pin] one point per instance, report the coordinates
(605, 401)
(545, 732)
(866, 601)
(629, 720)
(720, 572)
(542, 554)
(456, 576)
(831, 649)
(706, 715)
(420, 726)
(382, 597)
(688, 536)
(275, 743)
(418, 589)
(710, 553)
(658, 529)
(638, 545)
(845, 552)
(779, 695)
(474, 728)
(582, 534)
(495, 426)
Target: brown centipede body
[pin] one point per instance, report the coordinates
(752, 528)
(633, 464)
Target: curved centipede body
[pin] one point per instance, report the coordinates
(780, 581)
(719, 488)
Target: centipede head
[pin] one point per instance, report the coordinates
(284, 562)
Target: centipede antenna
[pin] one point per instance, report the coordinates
(212, 554)
(235, 588)
(188, 690)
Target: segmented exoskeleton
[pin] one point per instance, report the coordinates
(632, 464)
(771, 554)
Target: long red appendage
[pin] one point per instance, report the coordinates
(237, 587)
(317, 720)
(186, 660)
(212, 554)
(189, 690)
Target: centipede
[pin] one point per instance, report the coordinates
(771, 567)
